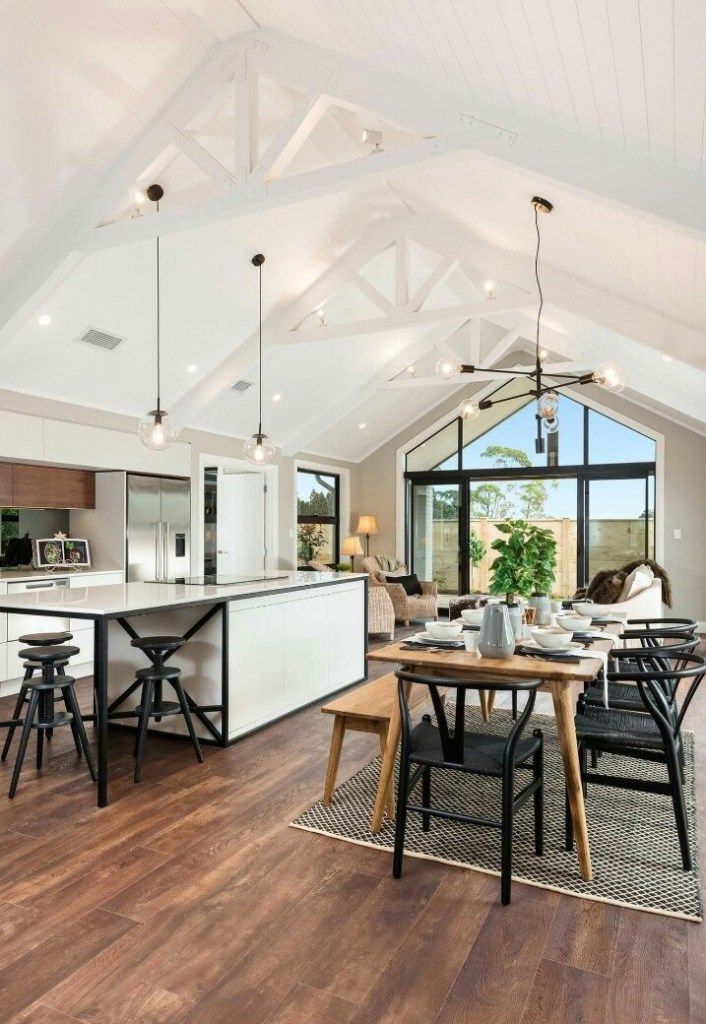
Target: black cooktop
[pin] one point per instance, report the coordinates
(221, 581)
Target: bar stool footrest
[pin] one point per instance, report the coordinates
(163, 710)
(60, 718)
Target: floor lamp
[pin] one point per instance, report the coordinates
(367, 525)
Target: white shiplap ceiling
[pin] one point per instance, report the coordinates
(82, 81)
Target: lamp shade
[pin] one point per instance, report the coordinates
(367, 525)
(351, 546)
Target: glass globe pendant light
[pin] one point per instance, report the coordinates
(154, 430)
(257, 449)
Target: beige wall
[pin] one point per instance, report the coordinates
(202, 443)
(684, 487)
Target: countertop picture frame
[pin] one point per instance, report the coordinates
(62, 553)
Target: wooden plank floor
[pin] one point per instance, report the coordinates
(190, 901)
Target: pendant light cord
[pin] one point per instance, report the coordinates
(159, 382)
(541, 296)
(259, 421)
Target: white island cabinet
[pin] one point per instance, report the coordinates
(252, 652)
(287, 650)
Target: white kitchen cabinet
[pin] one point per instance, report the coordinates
(256, 665)
(288, 650)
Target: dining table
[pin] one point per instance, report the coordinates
(558, 676)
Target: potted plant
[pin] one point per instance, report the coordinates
(525, 563)
(542, 549)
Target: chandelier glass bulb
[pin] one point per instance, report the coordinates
(611, 377)
(156, 431)
(258, 451)
(551, 425)
(548, 405)
(468, 409)
(447, 368)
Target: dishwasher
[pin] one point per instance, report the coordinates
(18, 625)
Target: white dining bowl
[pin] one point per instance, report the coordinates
(574, 623)
(473, 616)
(552, 637)
(585, 608)
(444, 630)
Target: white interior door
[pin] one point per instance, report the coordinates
(240, 524)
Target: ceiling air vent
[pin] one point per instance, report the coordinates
(241, 385)
(100, 339)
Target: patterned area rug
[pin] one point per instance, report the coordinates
(634, 845)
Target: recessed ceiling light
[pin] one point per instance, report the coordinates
(666, 358)
(276, 397)
(192, 368)
(361, 426)
(44, 320)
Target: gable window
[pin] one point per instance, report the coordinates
(318, 517)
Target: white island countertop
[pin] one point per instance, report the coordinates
(134, 598)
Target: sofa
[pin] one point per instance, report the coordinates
(645, 605)
(407, 607)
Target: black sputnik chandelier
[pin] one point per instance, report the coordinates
(608, 375)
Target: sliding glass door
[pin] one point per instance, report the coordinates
(619, 523)
(436, 533)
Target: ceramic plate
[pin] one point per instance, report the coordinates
(571, 648)
(432, 639)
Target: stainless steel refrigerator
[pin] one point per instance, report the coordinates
(158, 526)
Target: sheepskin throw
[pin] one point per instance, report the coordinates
(606, 586)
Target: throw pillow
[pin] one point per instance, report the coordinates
(411, 584)
(660, 574)
(606, 586)
(637, 582)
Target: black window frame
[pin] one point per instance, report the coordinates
(583, 473)
(334, 520)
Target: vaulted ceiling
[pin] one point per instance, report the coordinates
(599, 106)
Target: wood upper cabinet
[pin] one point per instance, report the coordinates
(6, 491)
(50, 487)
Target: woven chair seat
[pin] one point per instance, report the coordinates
(621, 696)
(618, 727)
(482, 752)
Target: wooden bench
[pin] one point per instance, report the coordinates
(366, 709)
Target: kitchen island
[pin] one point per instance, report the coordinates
(253, 652)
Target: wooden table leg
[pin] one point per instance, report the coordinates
(334, 757)
(566, 731)
(484, 709)
(387, 767)
(390, 798)
(490, 698)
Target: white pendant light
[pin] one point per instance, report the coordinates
(257, 449)
(154, 429)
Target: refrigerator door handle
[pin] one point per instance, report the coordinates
(165, 549)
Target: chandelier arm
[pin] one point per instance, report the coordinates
(561, 384)
(485, 403)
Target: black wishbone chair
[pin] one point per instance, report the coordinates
(625, 696)
(652, 734)
(647, 629)
(430, 745)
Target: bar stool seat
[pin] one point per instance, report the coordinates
(45, 639)
(159, 644)
(47, 655)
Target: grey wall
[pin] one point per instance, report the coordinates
(684, 505)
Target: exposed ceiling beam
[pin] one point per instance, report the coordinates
(280, 323)
(291, 136)
(620, 315)
(629, 182)
(442, 270)
(404, 319)
(253, 198)
(201, 158)
(246, 138)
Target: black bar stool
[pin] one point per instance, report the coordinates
(37, 640)
(152, 703)
(40, 714)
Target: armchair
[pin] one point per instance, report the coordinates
(407, 607)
